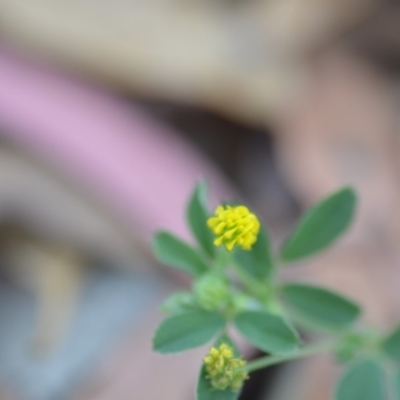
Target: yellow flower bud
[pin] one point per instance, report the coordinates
(234, 226)
(223, 370)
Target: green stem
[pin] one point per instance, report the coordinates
(267, 361)
(258, 289)
(245, 278)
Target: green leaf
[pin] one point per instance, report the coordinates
(204, 391)
(177, 254)
(396, 386)
(267, 331)
(179, 302)
(362, 381)
(321, 307)
(258, 261)
(187, 330)
(197, 216)
(391, 345)
(323, 224)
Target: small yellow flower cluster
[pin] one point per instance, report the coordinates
(223, 370)
(234, 226)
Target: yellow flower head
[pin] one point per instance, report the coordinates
(234, 226)
(223, 370)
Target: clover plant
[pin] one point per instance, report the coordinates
(235, 283)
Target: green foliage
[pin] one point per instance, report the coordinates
(197, 216)
(349, 347)
(267, 331)
(204, 391)
(257, 262)
(362, 381)
(241, 288)
(179, 302)
(177, 254)
(323, 224)
(212, 291)
(391, 345)
(187, 330)
(321, 307)
(396, 386)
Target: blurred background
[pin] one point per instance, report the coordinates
(111, 110)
